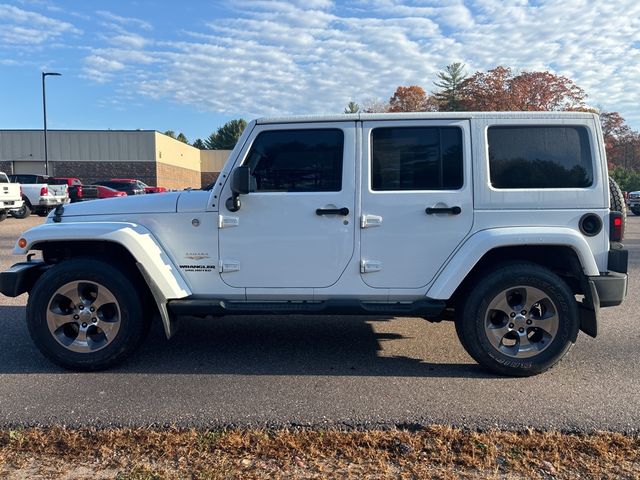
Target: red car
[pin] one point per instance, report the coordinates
(106, 192)
(147, 188)
(77, 191)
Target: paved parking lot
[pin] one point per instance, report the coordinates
(333, 371)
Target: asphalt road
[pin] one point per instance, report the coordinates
(335, 371)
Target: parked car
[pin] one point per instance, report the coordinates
(10, 196)
(77, 191)
(633, 202)
(504, 222)
(147, 188)
(39, 194)
(106, 192)
(129, 187)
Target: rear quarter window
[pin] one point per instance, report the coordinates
(536, 157)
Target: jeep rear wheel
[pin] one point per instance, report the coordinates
(520, 320)
(84, 314)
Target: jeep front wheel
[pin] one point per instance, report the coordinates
(84, 314)
(520, 320)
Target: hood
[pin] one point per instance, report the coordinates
(150, 203)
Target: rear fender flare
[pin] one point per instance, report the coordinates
(482, 242)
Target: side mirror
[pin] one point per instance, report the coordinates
(242, 183)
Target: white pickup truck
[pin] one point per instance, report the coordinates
(10, 196)
(505, 223)
(39, 195)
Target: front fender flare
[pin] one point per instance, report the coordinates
(480, 243)
(137, 239)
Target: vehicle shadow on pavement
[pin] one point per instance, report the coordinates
(265, 345)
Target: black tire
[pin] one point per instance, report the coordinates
(132, 324)
(23, 212)
(616, 198)
(3, 215)
(43, 212)
(473, 315)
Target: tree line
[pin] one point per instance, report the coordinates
(224, 138)
(502, 89)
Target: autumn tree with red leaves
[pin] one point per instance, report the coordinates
(410, 99)
(500, 90)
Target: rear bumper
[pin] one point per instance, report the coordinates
(10, 205)
(19, 278)
(611, 288)
(606, 290)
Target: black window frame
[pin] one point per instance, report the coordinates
(463, 173)
(590, 150)
(246, 158)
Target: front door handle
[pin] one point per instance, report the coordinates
(344, 211)
(449, 210)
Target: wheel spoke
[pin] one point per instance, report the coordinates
(548, 323)
(57, 320)
(501, 303)
(108, 328)
(532, 296)
(70, 292)
(496, 335)
(82, 337)
(524, 344)
(103, 298)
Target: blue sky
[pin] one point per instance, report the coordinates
(191, 66)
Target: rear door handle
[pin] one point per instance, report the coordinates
(344, 211)
(450, 210)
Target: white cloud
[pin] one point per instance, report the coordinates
(20, 27)
(130, 21)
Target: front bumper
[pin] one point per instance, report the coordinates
(19, 278)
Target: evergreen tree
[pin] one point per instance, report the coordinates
(449, 98)
(226, 137)
(352, 107)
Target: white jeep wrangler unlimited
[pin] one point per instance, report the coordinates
(498, 221)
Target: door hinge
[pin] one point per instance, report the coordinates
(368, 266)
(367, 221)
(229, 266)
(225, 221)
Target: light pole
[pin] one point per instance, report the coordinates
(44, 111)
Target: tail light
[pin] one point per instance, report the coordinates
(79, 192)
(44, 191)
(616, 228)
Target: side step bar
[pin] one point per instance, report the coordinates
(202, 307)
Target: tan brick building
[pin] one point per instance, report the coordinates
(91, 155)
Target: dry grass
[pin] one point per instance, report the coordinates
(433, 452)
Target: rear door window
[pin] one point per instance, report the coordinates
(416, 158)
